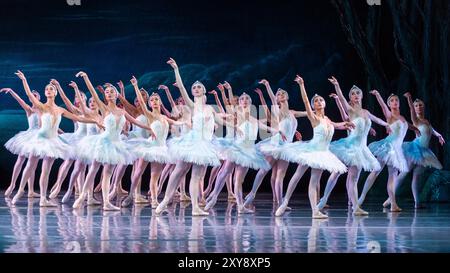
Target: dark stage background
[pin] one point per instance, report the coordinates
(394, 47)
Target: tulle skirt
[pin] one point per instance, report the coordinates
(150, 151)
(101, 148)
(354, 155)
(307, 153)
(41, 145)
(389, 153)
(16, 143)
(243, 155)
(418, 155)
(192, 148)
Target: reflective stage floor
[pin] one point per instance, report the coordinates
(29, 228)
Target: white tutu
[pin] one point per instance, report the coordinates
(243, 150)
(196, 146)
(106, 147)
(389, 150)
(73, 138)
(353, 150)
(46, 143)
(153, 150)
(313, 153)
(16, 143)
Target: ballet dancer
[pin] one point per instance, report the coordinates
(389, 151)
(14, 144)
(241, 154)
(45, 144)
(106, 148)
(353, 150)
(154, 151)
(284, 120)
(314, 154)
(417, 152)
(194, 148)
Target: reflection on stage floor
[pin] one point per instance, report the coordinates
(29, 228)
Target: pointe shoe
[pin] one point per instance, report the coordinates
(184, 198)
(199, 212)
(280, 211)
(54, 194)
(319, 215)
(387, 203)
(244, 210)
(249, 199)
(9, 191)
(321, 204)
(108, 206)
(140, 199)
(33, 195)
(202, 203)
(231, 197)
(155, 204)
(79, 202)
(161, 207)
(17, 197)
(211, 203)
(66, 197)
(360, 212)
(46, 203)
(395, 209)
(93, 202)
(98, 188)
(127, 201)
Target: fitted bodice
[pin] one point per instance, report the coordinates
(322, 135)
(203, 124)
(248, 133)
(49, 125)
(33, 121)
(361, 131)
(113, 126)
(425, 135)
(161, 130)
(288, 126)
(138, 131)
(398, 131)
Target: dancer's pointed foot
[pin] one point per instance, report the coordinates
(199, 212)
(98, 188)
(127, 201)
(211, 203)
(9, 191)
(281, 210)
(155, 203)
(231, 197)
(46, 203)
(360, 212)
(319, 215)
(185, 198)
(108, 206)
(66, 197)
(395, 208)
(121, 191)
(140, 199)
(202, 202)
(93, 202)
(244, 210)
(387, 203)
(79, 202)
(322, 204)
(161, 207)
(33, 195)
(249, 199)
(17, 197)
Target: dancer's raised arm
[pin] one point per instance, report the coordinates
(272, 97)
(216, 98)
(263, 102)
(230, 93)
(345, 104)
(222, 92)
(79, 118)
(387, 113)
(85, 110)
(21, 102)
(169, 95)
(30, 95)
(342, 111)
(180, 84)
(414, 119)
(309, 111)
(130, 108)
(91, 89)
(439, 136)
(72, 108)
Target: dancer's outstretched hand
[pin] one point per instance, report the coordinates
(226, 85)
(81, 74)
(213, 92)
(101, 89)
(298, 136)
(172, 63)
(407, 95)
(333, 81)
(349, 125)
(134, 81)
(264, 81)
(299, 80)
(20, 75)
(258, 91)
(373, 132)
(73, 85)
(163, 87)
(6, 90)
(374, 92)
(441, 140)
(334, 96)
(54, 82)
